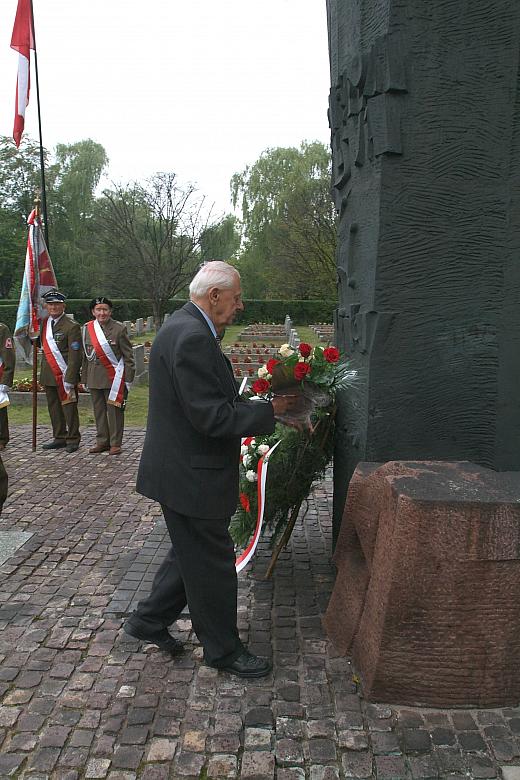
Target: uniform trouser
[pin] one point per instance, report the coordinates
(64, 417)
(4, 426)
(110, 419)
(199, 570)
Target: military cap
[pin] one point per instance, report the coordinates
(101, 299)
(54, 296)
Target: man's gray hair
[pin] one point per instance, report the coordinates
(214, 273)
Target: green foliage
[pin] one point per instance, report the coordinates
(301, 458)
(289, 223)
(220, 241)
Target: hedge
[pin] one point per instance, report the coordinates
(301, 312)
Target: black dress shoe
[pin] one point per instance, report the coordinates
(163, 639)
(248, 665)
(72, 448)
(57, 444)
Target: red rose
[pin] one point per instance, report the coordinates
(305, 349)
(301, 370)
(260, 387)
(331, 354)
(271, 364)
(245, 502)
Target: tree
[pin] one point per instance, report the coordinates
(289, 222)
(152, 234)
(20, 177)
(73, 212)
(220, 241)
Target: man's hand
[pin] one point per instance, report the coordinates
(68, 388)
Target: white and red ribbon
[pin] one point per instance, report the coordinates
(115, 368)
(55, 359)
(4, 398)
(244, 558)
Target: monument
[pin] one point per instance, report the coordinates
(425, 123)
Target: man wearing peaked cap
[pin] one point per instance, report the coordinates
(61, 364)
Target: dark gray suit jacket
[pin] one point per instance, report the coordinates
(195, 421)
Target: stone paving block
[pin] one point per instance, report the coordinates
(321, 751)
(257, 739)
(194, 741)
(10, 763)
(97, 768)
(510, 772)
(357, 765)
(482, 768)
(290, 773)
(423, 768)
(258, 765)
(390, 767)
(324, 773)
(416, 741)
(503, 749)
(353, 740)
(9, 716)
(188, 764)
(385, 743)
(222, 767)
(161, 750)
(127, 757)
(44, 759)
(288, 752)
(471, 741)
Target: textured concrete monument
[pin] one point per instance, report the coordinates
(425, 121)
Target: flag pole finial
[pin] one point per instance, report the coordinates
(37, 205)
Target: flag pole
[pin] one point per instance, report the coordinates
(35, 366)
(42, 160)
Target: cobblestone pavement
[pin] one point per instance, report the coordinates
(81, 700)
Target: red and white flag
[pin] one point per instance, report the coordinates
(38, 278)
(22, 40)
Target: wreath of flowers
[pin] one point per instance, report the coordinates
(303, 453)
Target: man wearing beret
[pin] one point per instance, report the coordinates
(60, 368)
(7, 366)
(108, 370)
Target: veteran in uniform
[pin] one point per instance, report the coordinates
(7, 366)
(60, 370)
(108, 371)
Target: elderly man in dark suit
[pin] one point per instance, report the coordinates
(189, 464)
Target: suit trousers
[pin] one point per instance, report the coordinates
(199, 570)
(64, 417)
(4, 426)
(110, 419)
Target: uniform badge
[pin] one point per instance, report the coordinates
(75, 345)
(8, 343)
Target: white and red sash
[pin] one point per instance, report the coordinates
(4, 398)
(244, 558)
(55, 360)
(115, 368)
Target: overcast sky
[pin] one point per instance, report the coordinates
(198, 87)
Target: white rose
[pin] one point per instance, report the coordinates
(262, 449)
(262, 372)
(251, 475)
(286, 351)
(244, 449)
(246, 460)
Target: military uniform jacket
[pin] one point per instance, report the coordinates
(67, 335)
(93, 372)
(8, 355)
(196, 419)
